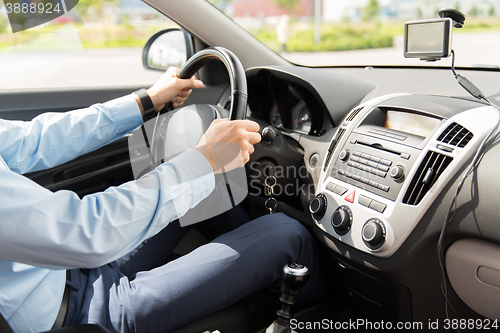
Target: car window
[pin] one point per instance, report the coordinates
(96, 43)
(363, 32)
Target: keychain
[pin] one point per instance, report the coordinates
(271, 202)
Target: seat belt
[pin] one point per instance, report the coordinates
(4, 325)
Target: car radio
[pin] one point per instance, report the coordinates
(380, 151)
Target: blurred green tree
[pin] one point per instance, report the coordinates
(491, 11)
(420, 13)
(474, 11)
(371, 10)
(3, 24)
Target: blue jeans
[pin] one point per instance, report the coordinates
(208, 279)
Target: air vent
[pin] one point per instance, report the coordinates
(333, 144)
(456, 135)
(429, 171)
(354, 113)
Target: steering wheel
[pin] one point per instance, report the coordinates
(181, 129)
(236, 73)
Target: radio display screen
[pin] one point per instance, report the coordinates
(410, 123)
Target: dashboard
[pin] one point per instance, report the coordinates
(384, 158)
(384, 161)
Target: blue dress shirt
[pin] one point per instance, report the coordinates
(43, 233)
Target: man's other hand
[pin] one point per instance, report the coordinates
(229, 144)
(170, 88)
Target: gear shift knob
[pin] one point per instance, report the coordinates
(295, 276)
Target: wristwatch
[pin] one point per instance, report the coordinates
(147, 104)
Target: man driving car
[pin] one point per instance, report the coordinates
(61, 257)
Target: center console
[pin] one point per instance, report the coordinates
(388, 161)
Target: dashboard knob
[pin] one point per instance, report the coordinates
(397, 172)
(373, 234)
(341, 220)
(317, 206)
(344, 155)
(268, 133)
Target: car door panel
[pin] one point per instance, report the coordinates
(27, 104)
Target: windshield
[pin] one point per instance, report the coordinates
(363, 32)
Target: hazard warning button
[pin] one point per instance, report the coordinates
(350, 197)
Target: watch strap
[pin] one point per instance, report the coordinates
(147, 104)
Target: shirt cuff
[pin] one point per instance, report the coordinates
(125, 113)
(196, 166)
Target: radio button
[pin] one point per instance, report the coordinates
(386, 162)
(375, 159)
(339, 190)
(365, 180)
(379, 173)
(365, 156)
(356, 177)
(405, 156)
(372, 164)
(372, 183)
(384, 168)
(357, 153)
(365, 168)
(341, 172)
(331, 187)
(378, 206)
(364, 201)
(363, 161)
(354, 159)
(383, 187)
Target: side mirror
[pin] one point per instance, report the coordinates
(166, 48)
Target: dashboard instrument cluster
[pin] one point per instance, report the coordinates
(299, 118)
(287, 102)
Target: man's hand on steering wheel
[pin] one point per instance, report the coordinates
(229, 144)
(170, 88)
